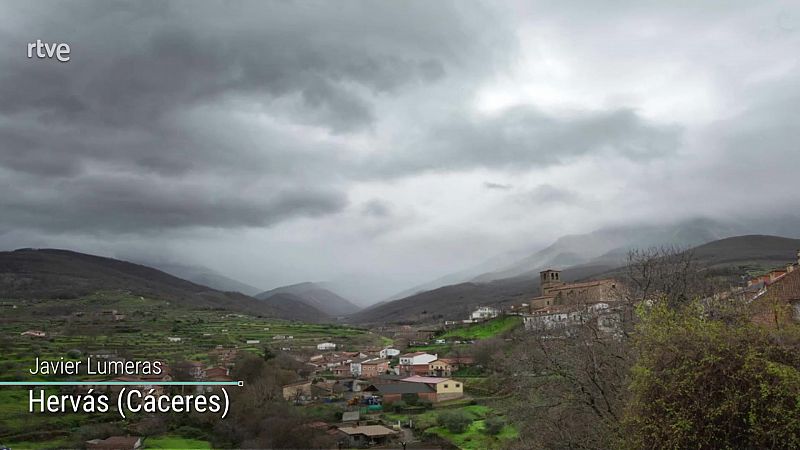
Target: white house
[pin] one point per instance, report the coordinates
(326, 346)
(253, 341)
(417, 358)
(485, 313)
(388, 353)
(355, 367)
(174, 339)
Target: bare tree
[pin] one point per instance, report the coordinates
(568, 387)
(666, 274)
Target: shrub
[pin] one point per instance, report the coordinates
(411, 399)
(455, 421)
(711, 383)
(399, 405)
(494, 425)
(423, 421)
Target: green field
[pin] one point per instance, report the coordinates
(474, 332)
(484, 330)
(473, 438)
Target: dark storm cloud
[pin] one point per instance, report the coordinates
(160, 60)
(155, 94)
(215, 130)
(138, 202)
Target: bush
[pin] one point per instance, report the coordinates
(423, 421)
(456, 422)
(399, 406)
(427, 404)
(494, 425)
(411, 399)
(703, 383)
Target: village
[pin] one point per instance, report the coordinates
(375, 385)
(378, 385)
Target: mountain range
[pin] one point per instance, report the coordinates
(452, 302)
(207, 277)
(313, 295)
(63, 274)
(52, 273)
(609, 246)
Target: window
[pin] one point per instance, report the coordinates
(458, 385)
(445, 386)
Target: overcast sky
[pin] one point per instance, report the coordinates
(387, 142)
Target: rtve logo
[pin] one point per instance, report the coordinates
(43, 50)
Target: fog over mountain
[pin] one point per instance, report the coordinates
(380, 146)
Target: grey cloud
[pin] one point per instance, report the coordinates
(524, 137)
(376, 208)
(549, 194)
(160, 89)
(159, 59)
(208, 125)
(122, 203)
(497, 186)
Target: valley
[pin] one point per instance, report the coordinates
(309, 359)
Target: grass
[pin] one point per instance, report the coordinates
(474, 332)
(175, 442)
(484, 330)
(475, 438)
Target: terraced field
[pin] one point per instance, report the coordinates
(75, 328)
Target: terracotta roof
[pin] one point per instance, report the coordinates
(372, 362)
(219, 378)
(592, 283)
(216, 372)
